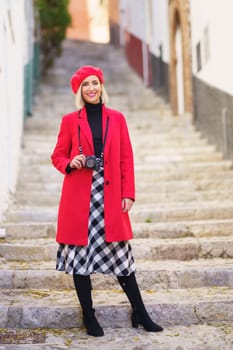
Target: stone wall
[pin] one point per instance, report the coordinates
(213, 115)
(160, 76)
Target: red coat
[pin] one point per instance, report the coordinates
(73, 215)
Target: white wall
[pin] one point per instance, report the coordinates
(215, 15)
(132, 17)
(13, 56)
(160, 28)
(148, 21)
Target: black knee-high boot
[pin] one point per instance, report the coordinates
(139, 314)
(83, 289)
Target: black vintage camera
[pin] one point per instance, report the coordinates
(92, 162)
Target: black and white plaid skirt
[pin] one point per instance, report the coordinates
(98, 256)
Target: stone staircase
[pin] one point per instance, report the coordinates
(182, 220)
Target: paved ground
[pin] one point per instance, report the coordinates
(182, 221)
(174, 338)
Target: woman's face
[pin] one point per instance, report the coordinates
(91, 89)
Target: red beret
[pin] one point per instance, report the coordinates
(82, 73)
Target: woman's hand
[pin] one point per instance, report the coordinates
(127, 204)
(78, 161)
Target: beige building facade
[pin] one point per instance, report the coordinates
(89, 20)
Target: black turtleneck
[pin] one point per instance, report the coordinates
(94, 116)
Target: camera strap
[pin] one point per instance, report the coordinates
(105, 138)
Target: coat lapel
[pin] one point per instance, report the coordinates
(85, 128)
(107, 116)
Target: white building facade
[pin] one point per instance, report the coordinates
(212, 52)
(16, 43)
(182, 49)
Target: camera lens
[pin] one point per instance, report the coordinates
(90, 162)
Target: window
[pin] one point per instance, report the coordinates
(198, 54)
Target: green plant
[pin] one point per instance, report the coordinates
(148, 220)
(54, 19)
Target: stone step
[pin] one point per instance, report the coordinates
(36, 140)
(174, 197)
(159, 144)
(182, 167)
(221, 183)
(178, 229)
(176, 158)
(39, 176)
(152, 147)
(182, 211)
(140, 148)
(203, 337)
(153, 115)
(49, 187)
(144, 181)
(155, 275)
(59, 309)
(30, 213)
(144, 248)
(162, 212)
(153, 164)
(148, 196)
(198, 185)
(138, 127)
(29, 230)
(156, 138)
(149, 157)
(160, 140)
(165, 134)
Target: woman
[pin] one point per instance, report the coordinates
(94, 153)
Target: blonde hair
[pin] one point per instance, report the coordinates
(79, 102)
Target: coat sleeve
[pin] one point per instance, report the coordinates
(61, 153)
(126, 163)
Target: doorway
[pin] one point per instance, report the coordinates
(180, 69)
